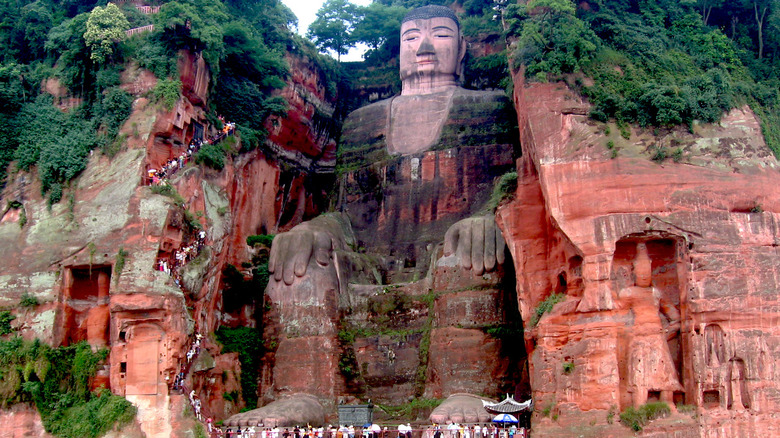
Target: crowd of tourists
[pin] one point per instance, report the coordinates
(456, 430)
(181, 256)
(452, 430)
(157, 177)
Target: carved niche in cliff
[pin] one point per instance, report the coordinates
(723, 377)
(85, 304)
(649, 276)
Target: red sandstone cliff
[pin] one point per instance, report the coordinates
(69, 256)
(699, 325)
(707, 302)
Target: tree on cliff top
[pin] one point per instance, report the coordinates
(194, 25)
(332, 30)
(552, 39)
(105, 27)
(380, 27)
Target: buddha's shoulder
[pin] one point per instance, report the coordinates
(363, 135)
(377, 111)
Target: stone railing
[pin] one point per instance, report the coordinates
(148, 9)
(136, 30)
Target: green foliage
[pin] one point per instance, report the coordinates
(119, 263)
(568, 367)
(105, 27)
(504, 189)
(545, 306)
(169, 191)
(625, 130)
(74, 65)
(348, 365)
(115, 109)
(660, 63)
(490, 71)
(59, 143)
(507, 332)
(333, 27)
(611, 414)
(28, 301)
(636, 419)
(250, 72)
(552, 40)
(247, 343)
(212, 155)
(260, 240)
(416, 408)
(480, 25)
(686, 409)
(6, 317)
(57, 381)
(167, 92)
(677, 155)
(379, 27)
(659, 154)
(385, 306)
(548, 409)
(151, 53)
(195, 25)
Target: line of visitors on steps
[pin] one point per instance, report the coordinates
(200, 410)
(156, 177)
(181, 256)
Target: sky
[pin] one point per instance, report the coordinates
(306, 11)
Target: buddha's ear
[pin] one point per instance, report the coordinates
(461, 59)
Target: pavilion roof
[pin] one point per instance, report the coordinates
(508, 406)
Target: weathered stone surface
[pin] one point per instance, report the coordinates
(68, 256)
(292, 411)
(461, 408)
(21, 421)
(709, 223)
(401, 209)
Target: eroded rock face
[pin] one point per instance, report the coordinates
(92, 263)
(668, 269)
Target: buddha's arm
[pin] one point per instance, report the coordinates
(477, 243)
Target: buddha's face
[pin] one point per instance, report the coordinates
(431, 53)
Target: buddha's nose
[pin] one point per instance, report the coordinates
(426, 48)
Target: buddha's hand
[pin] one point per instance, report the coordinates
(292, 251)
(477, 243)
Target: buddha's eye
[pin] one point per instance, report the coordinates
(411, 37)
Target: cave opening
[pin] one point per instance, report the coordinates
(85, 303)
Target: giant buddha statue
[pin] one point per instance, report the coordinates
(418, 170)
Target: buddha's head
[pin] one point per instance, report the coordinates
(432, 50)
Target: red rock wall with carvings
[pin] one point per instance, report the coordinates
(693, 318)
